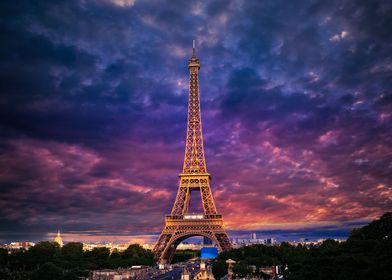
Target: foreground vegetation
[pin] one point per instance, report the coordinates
(367, 254)
(47, 261)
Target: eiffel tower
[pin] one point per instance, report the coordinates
(181, 224)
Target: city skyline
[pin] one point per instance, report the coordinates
(296, 108)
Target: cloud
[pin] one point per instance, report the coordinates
(338, 37)
(124, 3)
(295, 101)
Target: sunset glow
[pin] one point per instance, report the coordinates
(297, 118)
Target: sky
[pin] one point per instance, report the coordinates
(296, 100)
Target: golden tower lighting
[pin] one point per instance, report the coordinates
(181, 224)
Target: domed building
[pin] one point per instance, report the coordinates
(58, 239)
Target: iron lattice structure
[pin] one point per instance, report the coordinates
(181, 224)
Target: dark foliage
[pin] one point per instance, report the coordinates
(367, 254)
(184, 255)
(377, 230)
(47, 260)
(48, 271)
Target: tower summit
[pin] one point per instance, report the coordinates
(181, 224)
(194, 161)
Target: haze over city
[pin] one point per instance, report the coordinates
(296, 107)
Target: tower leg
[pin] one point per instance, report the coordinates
(161, 246)
(223, 241)
(207, 200)
(182, 201)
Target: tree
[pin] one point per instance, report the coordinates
(366, 255)
(72, 251)
(70, 275)
(43, 252)
(377, 230)
(3, 257)
(219, 268)
(47, 271)
(133, 250)
(98, 257)
(136, 254)
(116, 260)
(99, 253)
(241, 270)
(115, 255)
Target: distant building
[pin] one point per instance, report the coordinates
(275, 271)
(253, 235)
(58, 239)
(271, 241)
(112, 247)
(189, 246)
(148, 246)
(19, 245)
(237, 242)
(120, 247)
(135, 272)
(309, 243)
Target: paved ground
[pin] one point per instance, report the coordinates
(175, 274)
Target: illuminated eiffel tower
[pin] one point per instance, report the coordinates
(181, 224)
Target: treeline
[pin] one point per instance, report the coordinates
(184, 255)
(367, 254)
(47, 261)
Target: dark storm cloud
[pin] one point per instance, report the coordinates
(321, 142)
(296, 101)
